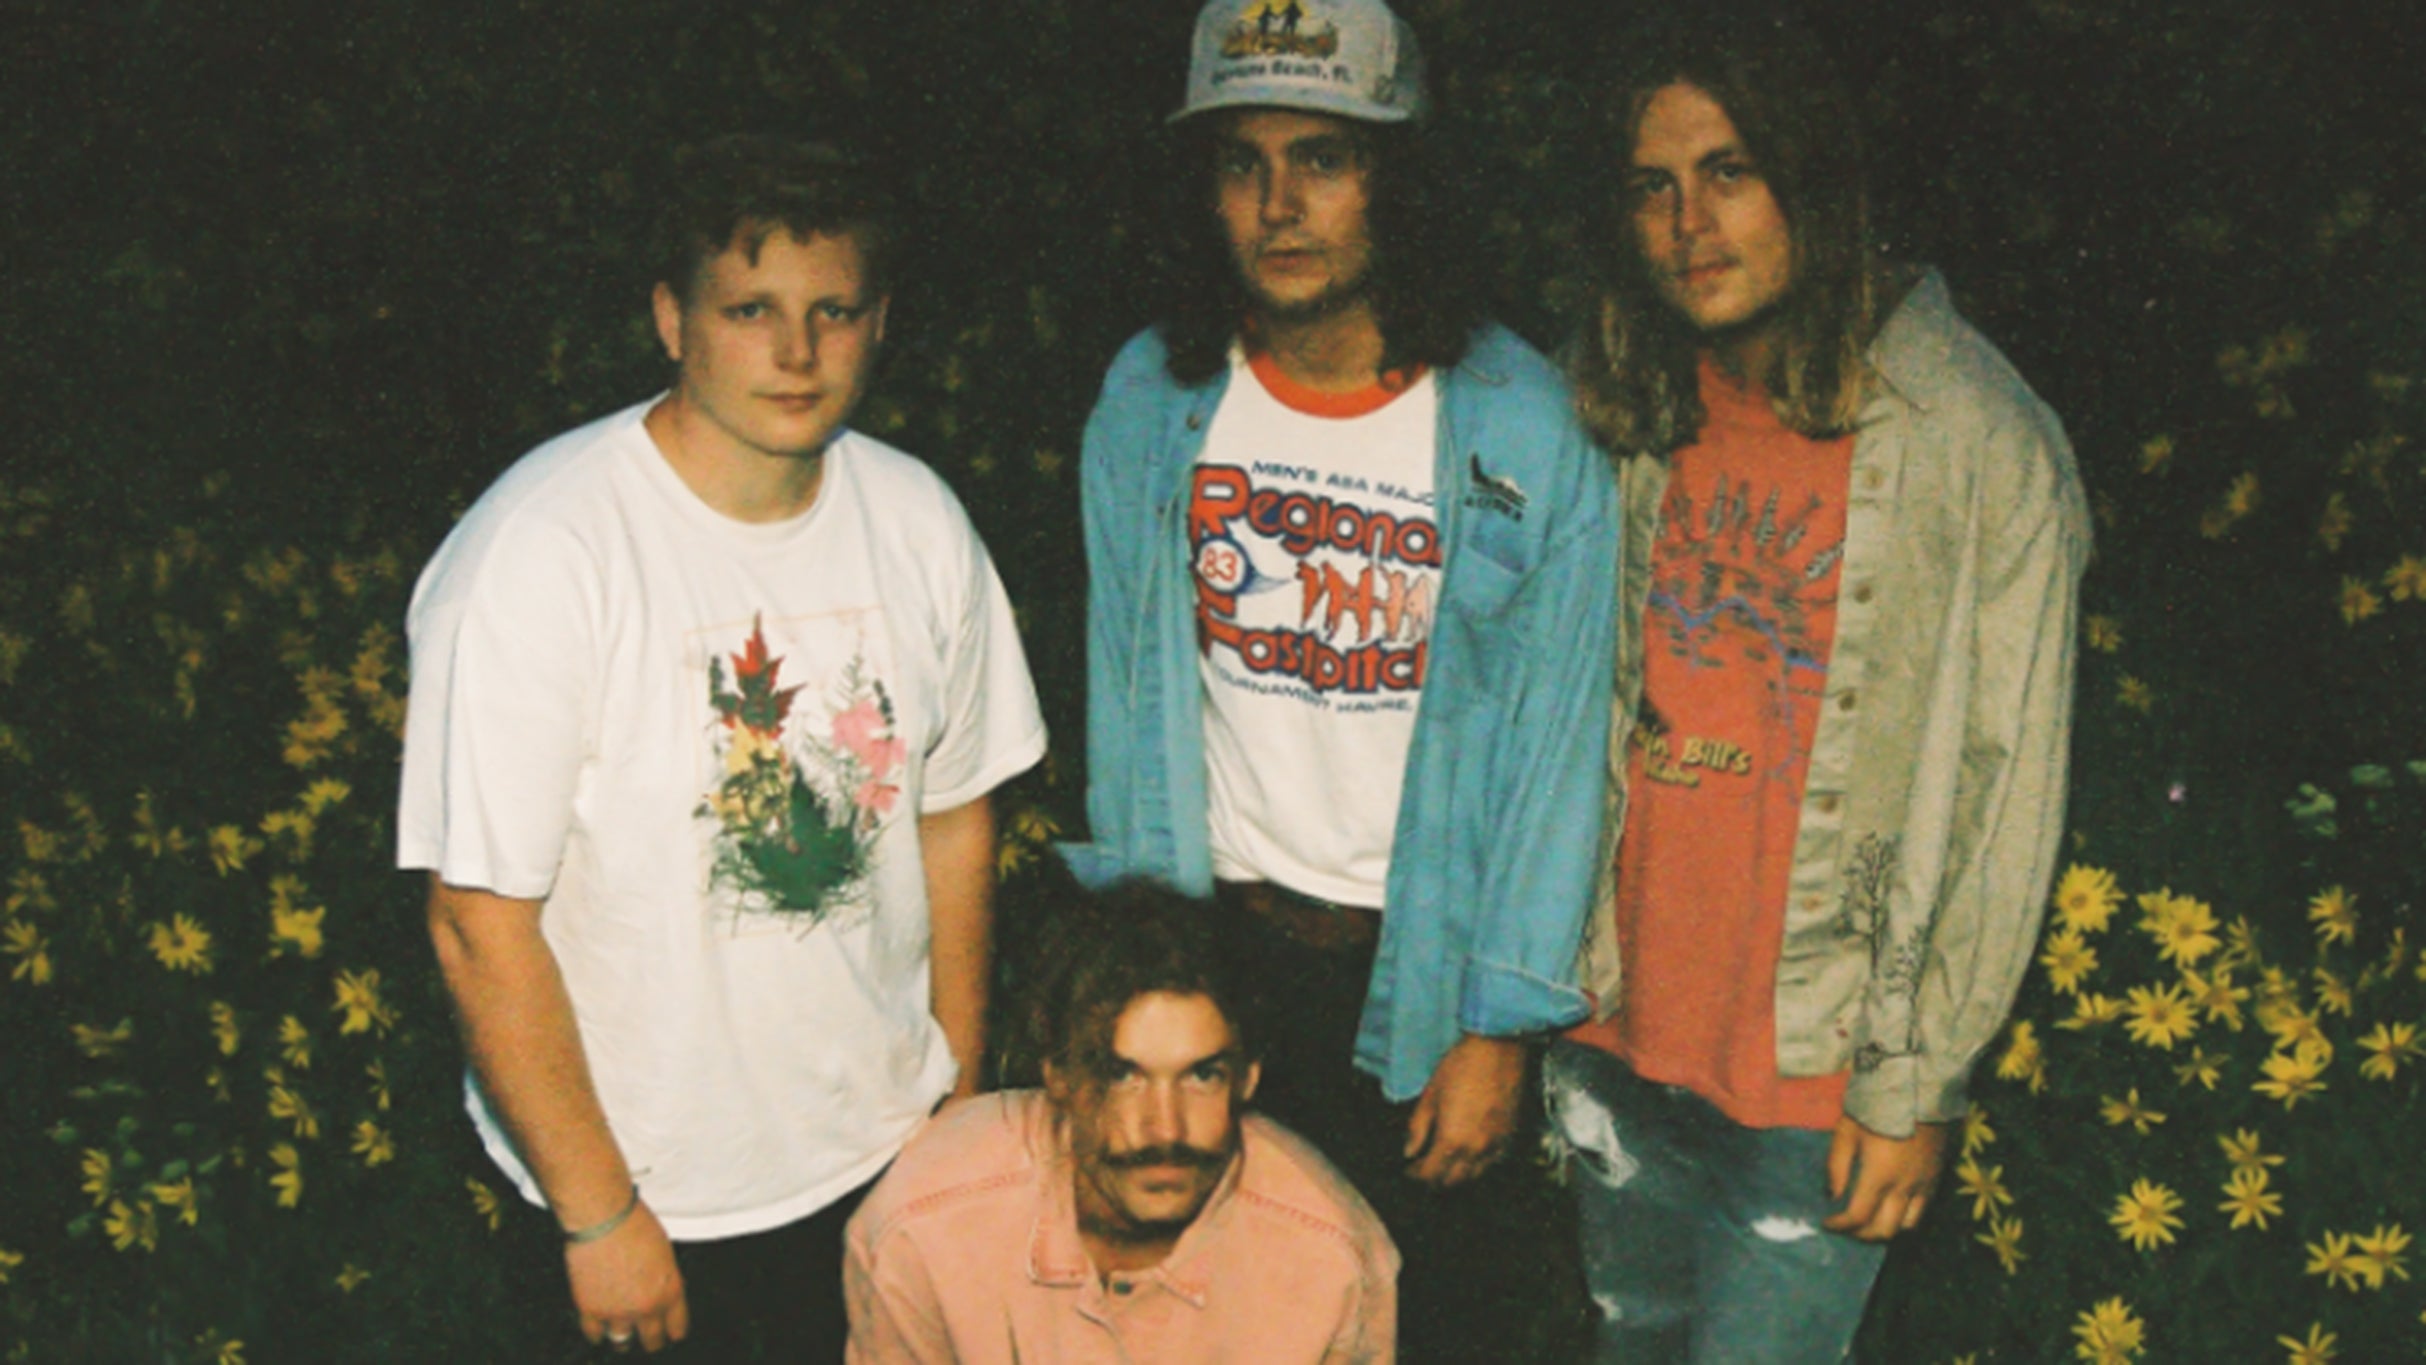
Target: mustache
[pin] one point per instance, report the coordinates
(1169, 1154)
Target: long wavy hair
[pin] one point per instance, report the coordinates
(1635, 364)
(1427, 295)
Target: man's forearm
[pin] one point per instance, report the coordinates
(957, 847)
(518, 1031)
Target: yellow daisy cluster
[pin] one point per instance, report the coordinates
(2110, 1334)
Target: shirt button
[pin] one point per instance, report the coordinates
(1827, 805)
(1871, 479)
(1861, 592)
(1844, 701)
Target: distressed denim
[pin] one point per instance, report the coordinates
(1701, 1237)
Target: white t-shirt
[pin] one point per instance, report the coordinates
(704, 744)
(1317, 562)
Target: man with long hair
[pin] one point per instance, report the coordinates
(1853, 540)
(708, 697)
(1132, 1208)
(1351, 584)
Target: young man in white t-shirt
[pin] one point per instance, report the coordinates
(1347, 550)
(708, 697)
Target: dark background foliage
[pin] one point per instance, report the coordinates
(284, 274)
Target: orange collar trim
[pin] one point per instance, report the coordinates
(1317, 403)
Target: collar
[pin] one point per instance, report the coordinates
(1912, 351)
(1058, 1259)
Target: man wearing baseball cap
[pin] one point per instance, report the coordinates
(1351, 564)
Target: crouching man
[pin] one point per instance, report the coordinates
(1131, 1209)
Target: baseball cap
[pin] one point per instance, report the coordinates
(1353, 58)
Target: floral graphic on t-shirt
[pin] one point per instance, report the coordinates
(797, 816)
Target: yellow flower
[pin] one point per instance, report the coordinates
(2129, 1110)
(2156, 454)
(2318, 1349)
(2334, 1259)
(288, 1181)
(2281, 1014)
(2216, 996)
(9, 1261)
(2333, 524)
(2333, 994)
(2202, 1068)
(2380, 1252)
(2135, 694)
(2389, 1045)
(2292, 1076)
(1985, 1185)
(2090, 1009)
(2004, 1237)
(41, 845)
(223, 1027)
(2110, 1332)
(229, 1353)
(182, 945)
(350, 1277)
(358, 998)
(2103, 633)
(231, 848)
(148, 836)
(2242, 498)
(97, 1167)
(377, 1071)
(2023, 1060)
(294, 827)
(131, 1227)
(484, 1204)
(2159, 1016)
(2358, 601)
(28, 890)
(2068, 960)
(2145, 1217)
(2240, 943)
(23, 942)
(2247, 1198)
(2335, 913)
(322, 794)
(295, 1043)
(287, 1104)
(2085, 899)
(372, 1144)
(98, 1043)
(2406, 580)
(178, 1194)
(291, 925)
(2242, 1150)
(2182, 927)
(1976, 1132)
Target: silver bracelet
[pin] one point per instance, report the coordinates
(594, 1231)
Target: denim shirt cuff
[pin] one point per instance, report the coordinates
(1502, 1001)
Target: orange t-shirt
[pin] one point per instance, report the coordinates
(1736, 638)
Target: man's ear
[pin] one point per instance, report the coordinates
(1247, 1083)
(668, 312)
(876, 334)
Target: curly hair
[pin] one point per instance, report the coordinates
(737, 190)
(1427, 295)
(1101, 951)
(1635, 364)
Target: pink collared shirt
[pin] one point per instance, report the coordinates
(968, 1251)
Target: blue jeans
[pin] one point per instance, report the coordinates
(1701, 1237)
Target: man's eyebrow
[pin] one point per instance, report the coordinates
(1731, 151)
(1325, 142)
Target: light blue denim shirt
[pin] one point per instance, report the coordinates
(1493, 858)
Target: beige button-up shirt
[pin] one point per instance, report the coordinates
(1935, 799)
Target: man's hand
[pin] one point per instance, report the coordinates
(1462, 1120)
(1891, 1178)
(627, 1288)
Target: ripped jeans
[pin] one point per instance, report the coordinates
(1701, 1237)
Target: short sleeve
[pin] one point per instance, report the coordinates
(992, 727)
(500, 713)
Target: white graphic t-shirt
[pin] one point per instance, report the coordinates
(1317, 561)
(704, 745)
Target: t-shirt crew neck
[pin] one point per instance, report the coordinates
(1314, 402)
